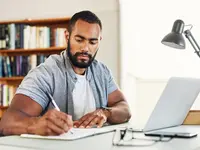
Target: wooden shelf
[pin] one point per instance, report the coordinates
(39, 21)
(15, 81)
(3, 107)
(11, 78)
(49, 50)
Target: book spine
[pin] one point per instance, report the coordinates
(12, 36)
(5, 95)
(5, 66)
(21, 39)
(1, 66)
(17, 35)
(8, 66)
(14, 66)
(3, 36)
(7, 36)
(26, 39)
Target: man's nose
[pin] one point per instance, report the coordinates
(85, 47)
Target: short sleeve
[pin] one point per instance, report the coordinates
(37, 84)
(112, 86)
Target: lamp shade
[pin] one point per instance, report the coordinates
(175, 39)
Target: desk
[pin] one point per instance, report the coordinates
(98, 142)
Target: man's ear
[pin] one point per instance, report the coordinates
(66, 36)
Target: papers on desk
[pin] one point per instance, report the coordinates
(73, 134)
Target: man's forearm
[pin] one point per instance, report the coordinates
(17, 124)
(119, 113)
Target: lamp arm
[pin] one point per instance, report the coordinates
(193, 42)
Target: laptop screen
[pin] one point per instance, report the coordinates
(174, 103)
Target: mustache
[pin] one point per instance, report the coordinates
(83, 53)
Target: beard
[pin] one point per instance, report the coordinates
(80, 63)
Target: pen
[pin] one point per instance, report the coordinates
(53, 102)
(56, 106)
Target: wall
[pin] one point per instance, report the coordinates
(146, 63)
(144, 24)
(106, 10)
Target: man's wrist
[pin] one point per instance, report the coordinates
(107, 111)
(31, 122)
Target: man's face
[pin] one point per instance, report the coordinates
(83, 43)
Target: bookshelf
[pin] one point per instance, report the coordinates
(24, 44)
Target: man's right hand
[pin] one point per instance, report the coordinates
(53, 122)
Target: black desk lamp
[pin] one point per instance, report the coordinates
(175, 39)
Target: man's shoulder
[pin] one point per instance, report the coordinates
(54, 59)
(98, 66)
(55, 62)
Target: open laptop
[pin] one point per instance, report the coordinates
(173, 107)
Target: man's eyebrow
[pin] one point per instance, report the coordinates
(90, 39)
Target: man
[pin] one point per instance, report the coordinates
(82, 87)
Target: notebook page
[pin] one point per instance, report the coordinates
(73, 134)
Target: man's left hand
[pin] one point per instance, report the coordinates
(94, 119)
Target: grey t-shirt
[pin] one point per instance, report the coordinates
(56, 77)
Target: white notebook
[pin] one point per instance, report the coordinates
(73, 134)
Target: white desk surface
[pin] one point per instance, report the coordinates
(98, 142)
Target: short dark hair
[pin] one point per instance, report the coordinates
(87, 16)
